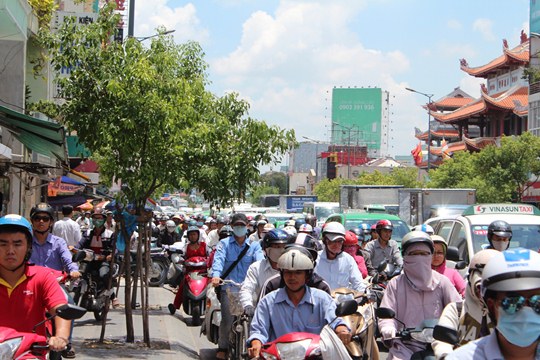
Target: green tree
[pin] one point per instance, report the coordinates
(147, 118)
(262, 190)
(328, 189)
(275, 179)
(499, 174)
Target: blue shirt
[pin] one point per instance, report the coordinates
(227, 251)
(53, 254)
(276, 315)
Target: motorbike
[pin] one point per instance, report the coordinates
(302, 345)
(176, 269)
(195, 283)
(362, 324)
(22, 345)
(212, 319)
(90, 291)
(159, 264)
(422, 335)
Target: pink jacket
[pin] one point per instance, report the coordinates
(413, 306)
(455, 277)
(361, 265)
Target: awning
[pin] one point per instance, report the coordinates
(41, 136)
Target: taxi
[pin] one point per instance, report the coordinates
(468, 231)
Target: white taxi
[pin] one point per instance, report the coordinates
(468, 232)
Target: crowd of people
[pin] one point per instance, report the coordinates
(287, 275)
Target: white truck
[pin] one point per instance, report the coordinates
(362, 197)
(418, 205)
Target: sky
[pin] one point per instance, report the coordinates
(285, 56)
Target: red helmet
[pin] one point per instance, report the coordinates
(350, 239)
(384, 224)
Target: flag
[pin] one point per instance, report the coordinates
(417, 154)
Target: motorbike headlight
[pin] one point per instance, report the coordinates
(293, 350)
(344, 297)
(425, 336)
(9, 347)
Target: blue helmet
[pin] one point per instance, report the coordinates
(14, 223)
(275, 236)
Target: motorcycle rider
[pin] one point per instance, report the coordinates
(259, 231)
(213, 235)
(295, 307)
(417, 294)
(350, 246)
(469, 319)
(67, 228)
(100, 241)
(27, 291)
(338, 268)
(273, 245)
(384, 248)
(168, 236)
(84, 221)
(511, 290)
(232, 251)
(312, 245)
(193, 248)
(373, 232)
(51, 251)
(499, 235)
(438, 263)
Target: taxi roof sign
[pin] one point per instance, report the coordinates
(517, 209)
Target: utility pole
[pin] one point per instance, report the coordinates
(429, 96)
(131, 15)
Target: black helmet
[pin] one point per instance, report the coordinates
(499, 228)
(225, 232)
(298, 223)
(311, 220)
(42, 208)
(306, 241)
(275, 236)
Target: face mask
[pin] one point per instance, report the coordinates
(98, 222)
(500, 245)
(417, 268)
(240, 231)
(274, 253)
(521, 328)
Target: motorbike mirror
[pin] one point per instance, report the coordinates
(447, 335)
(385, 313)
(452, 254)
(78, 256)
(70, 312)
(345, 308)
(461, 265)
(382, 266)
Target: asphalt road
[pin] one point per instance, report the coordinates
(172, 336)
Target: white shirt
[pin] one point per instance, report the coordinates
(257, 275)
(213, 238)
(340, 272)
(68, 230)
(483, 348)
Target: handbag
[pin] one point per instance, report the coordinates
(231, 268)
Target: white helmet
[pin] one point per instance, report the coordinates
(305, 228)
(517, 269)
(171, 226)
(425, 228)
(295, 258)
(437, 239)
(291, 230)
(290, 222)
(334, 231)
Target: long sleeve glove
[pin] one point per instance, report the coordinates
(388, 332)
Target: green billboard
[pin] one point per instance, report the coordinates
(356, 117)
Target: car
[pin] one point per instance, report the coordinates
(468, 231)
(321, 210)
(351, 220)
(278, 218)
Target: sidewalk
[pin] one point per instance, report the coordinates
(170, 337)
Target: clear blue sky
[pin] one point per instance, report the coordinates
(284, 56)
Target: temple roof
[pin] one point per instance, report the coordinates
(518, 55)
(452, 101)
(514, 99)
(437, 134)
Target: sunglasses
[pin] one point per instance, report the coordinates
(513, 304)
(41, 218)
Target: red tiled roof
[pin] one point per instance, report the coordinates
(474, 108)
(508, 99)
(519, 54)
(454, 102)
(450, 134)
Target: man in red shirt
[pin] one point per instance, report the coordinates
(27, 291)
